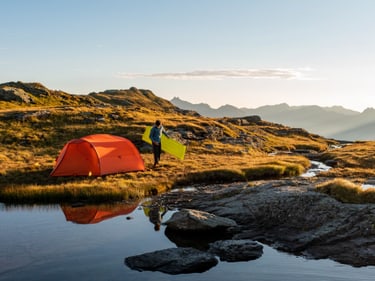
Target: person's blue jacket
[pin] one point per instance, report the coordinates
(156, 132)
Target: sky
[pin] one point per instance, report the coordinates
(247, 53)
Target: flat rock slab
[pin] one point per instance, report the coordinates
(199, 221)
(173, 261)
(291, 216)
(236, 250)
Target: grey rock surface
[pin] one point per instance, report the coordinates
(236, 250)
(194, 220)
(173, 261)
(291, 216)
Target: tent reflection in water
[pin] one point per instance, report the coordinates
(97, 155)
(96, 213)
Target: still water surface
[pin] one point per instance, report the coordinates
(39, 243)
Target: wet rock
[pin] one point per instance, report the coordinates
(370, 181)
(236, 250)
(198, 221)
(196, 240)
(173, 261)
(331, 162)
(291, 216)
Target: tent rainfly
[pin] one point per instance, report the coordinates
(97, 155)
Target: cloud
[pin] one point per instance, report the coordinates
(276, 73)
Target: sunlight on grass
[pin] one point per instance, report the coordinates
(346, 191)
(354, 160)
(218, 151)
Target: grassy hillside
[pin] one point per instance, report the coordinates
(218, 150)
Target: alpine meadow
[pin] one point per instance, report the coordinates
(37, 122)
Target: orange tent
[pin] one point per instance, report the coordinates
(97, 155)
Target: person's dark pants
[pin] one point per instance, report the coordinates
(157, 151)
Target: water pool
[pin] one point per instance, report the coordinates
(39, 243)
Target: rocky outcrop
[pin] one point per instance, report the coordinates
(22, 92)
(243, 121)
(8, 93)
(37, 94)
(173, 261)
(291, 216)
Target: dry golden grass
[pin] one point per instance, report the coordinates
(29, 148)
(26, 179)
(353, 160)
(33, 184)
(346, 191)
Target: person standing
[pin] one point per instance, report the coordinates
(155, 135)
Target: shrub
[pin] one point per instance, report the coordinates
(292, 170)
(368, 196)
(276, 169)
(264, 172)
(212, 176)
(346, 191)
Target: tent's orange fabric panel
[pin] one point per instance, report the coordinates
(116, 154)
(78, 159)
(99, 154)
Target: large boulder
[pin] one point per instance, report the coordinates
(173, 261)
(197, 229)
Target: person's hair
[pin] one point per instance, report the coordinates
(157, 122)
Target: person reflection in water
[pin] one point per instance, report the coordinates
(156, 214)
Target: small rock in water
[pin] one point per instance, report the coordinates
(173, 261)
(236, 250)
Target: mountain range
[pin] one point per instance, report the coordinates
(331, 122)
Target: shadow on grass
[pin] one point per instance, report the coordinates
(260, 172)
(37, 187)
(34, 177)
